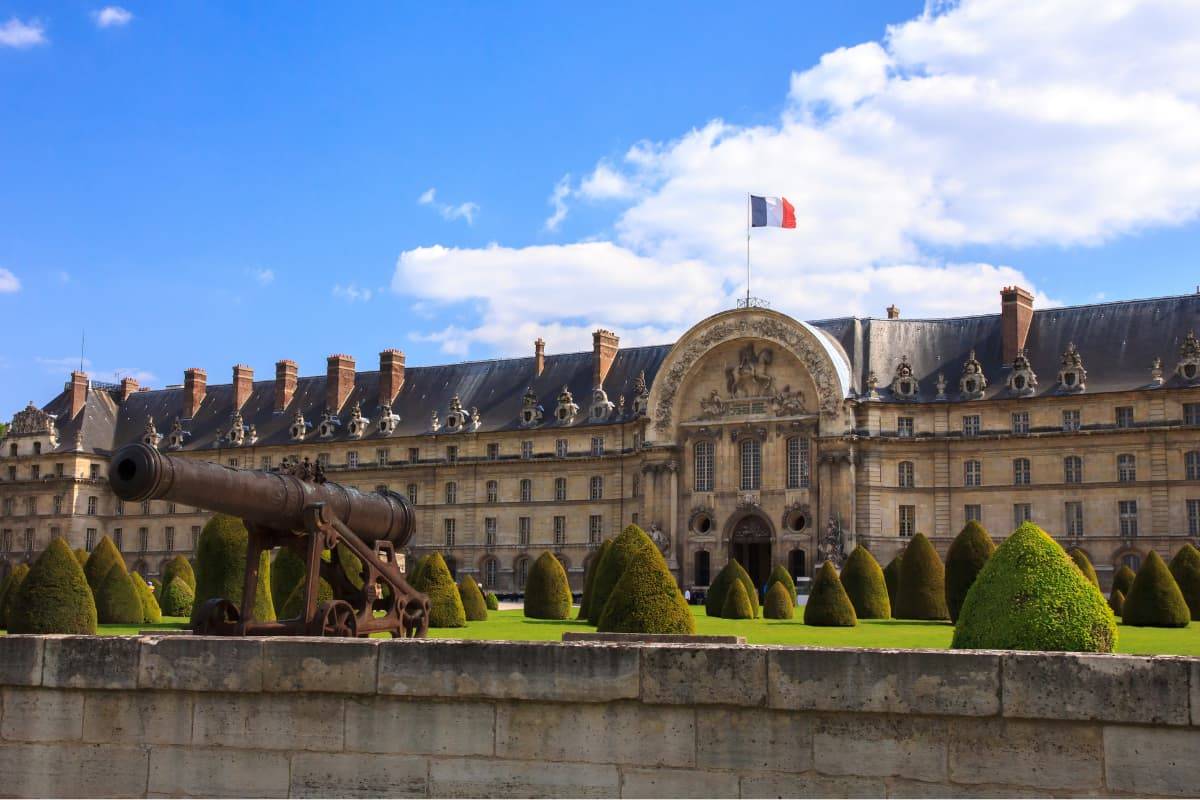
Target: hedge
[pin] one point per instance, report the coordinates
(1185, 568)
(779, 604)
(1085, 565)
(780, 575)
(8, 591)
(625, 548)
(288, 571)
(445, 606)
(547, 593)
(646, 599)
(103, 556)
(474, 606)
(221, 567)
(589, 579)
(151, 612)
(891, 576)
(1116, 601)
(54, 597)
(828, 604)
(493, 602)
(1155, 600)
(182, 567)
(81, 556)
(178, 598)
(922, 590)
(293, 606)
(865, 585)
(714, 601)
(1123, 579)
(969, 551)
(737, 602)
(414, 575)
(117, 601)
(1031, 596)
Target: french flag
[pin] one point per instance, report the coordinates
(771, 212)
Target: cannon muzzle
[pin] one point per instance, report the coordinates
(277, 500)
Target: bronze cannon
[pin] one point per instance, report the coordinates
(293, 507)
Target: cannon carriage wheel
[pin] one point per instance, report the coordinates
(217, 617)
(335, 618)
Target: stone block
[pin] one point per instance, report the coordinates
(72, 770)
(620, 733)
(91, 662)
(1152, 761)
(1096, 687)
(901, 787)
(358, 775)
(886, 746)
(303, 664)
(754, 739)
(21, 660)
(590, 673)
(217, 772)
(884, 681)
(137, 717)
(682, 675)
(678, 783)
(201, 664)
(401, 725)
(810, 784)
(478, 777)
(269, 721)
(42, 715)
(1195, 683)
(1038, 754)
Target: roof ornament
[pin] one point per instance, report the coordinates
(150, 436)
(641, 394)
(941, 386)
(306, 470)
(300, 427)
(620, 405)
(973, 382)
(1156, 372)
(566, 409)
(387, 420)
(252, 434)
(1072, 377)
(178, 435)
(904, 385)
(435, 424)
(1022, 380)
(237, 429)
(476, 419)
(602, 407)
(328, 425)
(358, 423)
(32, 421)
(456, 419)
(531, 410)
(872, 386)
(1188, 367)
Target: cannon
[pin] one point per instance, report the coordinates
(293, 507)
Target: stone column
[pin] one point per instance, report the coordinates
(673, 534)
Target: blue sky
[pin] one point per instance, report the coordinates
(208, 184)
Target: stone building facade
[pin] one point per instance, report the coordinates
(755, 436)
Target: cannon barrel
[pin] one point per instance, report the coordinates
(138, 473)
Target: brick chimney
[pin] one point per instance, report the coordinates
(285, 384)
(539, 355)
(391, 375)
(1016, 313)
(893, 312)
(604, 350)
(78, 387)
(339, 381)
(195, 384)
(128, 387)
(243, 382)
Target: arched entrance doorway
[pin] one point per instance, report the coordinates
(750, 545)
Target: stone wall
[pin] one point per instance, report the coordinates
(301, 717)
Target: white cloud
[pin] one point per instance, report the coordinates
(352, 293)
(448, 211)
(112, 17)
(9, 282)
(16, 33)
(264, 277)
(984, 122)
(427, 196)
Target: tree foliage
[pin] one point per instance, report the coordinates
(1085, 565)
(828, 604)
(1154, 600)
(474, 606)
(103, 556)
(547, 593)
(646, 599)
(1185, 568)
(922, 590)
(182, 567)
(221, 567)
(779, 604)
(969, 551)
(865, 585)
(151, 612)
(625, 548)
(737, 602)
(178, 598)
(714, 601)
(54, 597)
(445, 605)
(589, 579)
(117, 601)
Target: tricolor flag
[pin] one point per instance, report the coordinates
(771, 212)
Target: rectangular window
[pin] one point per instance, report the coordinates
(1073, 469)
(233, 462)
(12, 473)
(1070, 420)
(493, 491)
(703, 461)
(560, 489)
(452, 453)
(1022, 512)
(635, 484)
(6, 537)
(1020, 471)
(58, 503)
(89, 541)
(908, 521)
(634, 518)
(1074, 512)
(493, 451)
(974, 512)
(35, 471)
(560, 448)
(1124, 416)
(58, 469)
(29, 537)
(169, 539)
(560, 530)
(526, 490)
(527, 449)
(323, 460)
(195, 537)
(414, 455)
(597, 445)
(451, 493)
(382, 456)
(91, 506)
(524, 525)
(1191, 465)
(973, 473)
(450, 525)
(31, 506)
(1126, 468)
(1127, 512)
(797, 463)
(905, 475)
(118, 538)
(8, 506)
(1020, 422)
(596, 488)
(489, 531)
(904, 427)
(411, 491)
(595, 528)
(146, 508)
(751, 465)
(94, 472)
(352, 459)
(1191, 413)
(265, 464)
(143, 539)
(970, 425)
(120, 508)
(1193, 517)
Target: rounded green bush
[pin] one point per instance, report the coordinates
(493, 602)
(779, 574)
(1123, 579)
(1155, 600)
(714, 601)
(81, 556)
(646, 599)
(737, 602)
(865, 585)
(1185, 568)
(589, 579)
(117, 602)
(182, 567)
(178, 598)
(54, 597)
(288, 571)
(547, 593)
(293, 606)
(969, 551)
(151, 613)
(779, 604)
(221, 567)
(1031, 596)
(922, 590)
(100, 562)
(1116, 601)
(828, 604)
(12, 585)
(474, 606)
(1085, 565)
(625, 548)
(891, 576)
(445, 606)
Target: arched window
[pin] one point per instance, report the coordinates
(797, 463)
(905, 477)
(1132, 560)
(493, 491)
(1192, 463)
(451, 493)
(703, 452)
(751, 450)
(1126, 468)
(702, 574)
(1073, 469)
(1020, 471)
(973, 473)
(796, 565)
(521, 572)
(489, 573)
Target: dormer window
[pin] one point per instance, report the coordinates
(1189, 359)
(357, 426)
(237, 430)
(904, 385)
(456, 418)
(566, 409)
(150, 436)
(972, 383)
(1022, 380)
(177, 436)
(641, 394)
(329, 425)
(601, 407)
(1072, 377)
(299, 427)
(387, 420)
(531, 410)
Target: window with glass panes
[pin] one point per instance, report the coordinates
(1126, 468)
(1073, 469)
(1193, 517)
(970, 425)
(524, 525)
(904, 426)
(702, 456)
(91, 506)
(94, 471)
(597, 445)
(195, 536)
(1191, 465)
(451, 493)
(1124, 416)
(58, 504)
(973, 511)
(635, 486)
(1127, 514)
(119, 538)
(560, 489)
(143, 539)
(489, 573)
(452, 453)
(521, 572)
(560, 530)
(169, 538)
(493, 451)
(493, 491)
(1021, 471)
(29, 537)
(1070, 419)
(1191, 413)
(382, 454)
(411, 491)
(1020, 422)
(595, 528)
(233, 462)
(414, 455)
(35, 471)
(908, 520)
(527, 449)
(797, 463)
(1074, 511)
(596, 487)
(89, 542)
(489, 531)
(526, 490)
(450, 526)
(751, 452)
(352, 459)
(973, 473)
(1022, 512)
(560, 448)
(905, 475)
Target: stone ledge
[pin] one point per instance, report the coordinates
(21, 660)
(91, 662)
(687, 675)
(650, 638)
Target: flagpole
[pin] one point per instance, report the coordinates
(747, 249)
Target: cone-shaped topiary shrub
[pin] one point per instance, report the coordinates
(737, 602)
(151, 613)
(922, 590)
(1123, 579)
(589, 579)
(1155, 600)
(100, 562)
(287, 572)
(547, 593)
(54, 597)
(864, 583)
(117, 602)
(1185, 568)
(1116, 601)
(1030, 596)
(221, 566)
(11, 584)
(293, 606)
(780, 575)
(714, 601)
(445, 606)
(891, 576)
(625, 548)
(413, 576)
(178, 599)
(81, 556)
(474, 606)
(1085, 565)
(828, 604)
(4, 584)
(157, 586)
(182, 567)
(779, 604)
(969, 551)
(646, 599)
